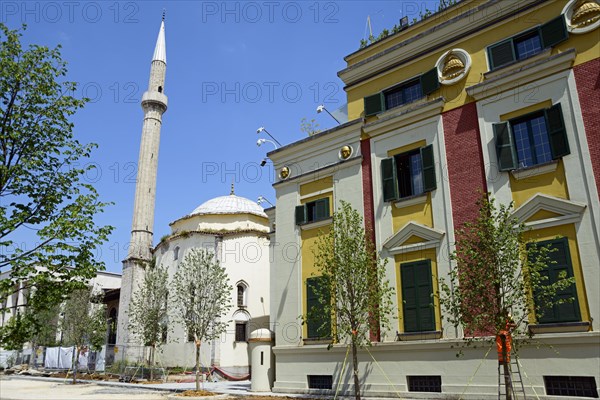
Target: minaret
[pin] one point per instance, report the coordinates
(154, 104)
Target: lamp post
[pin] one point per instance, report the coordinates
(320, 110)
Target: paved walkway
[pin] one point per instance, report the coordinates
(30, 389)
(33, 388)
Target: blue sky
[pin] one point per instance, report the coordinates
(231, 68)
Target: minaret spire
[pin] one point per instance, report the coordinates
(154, 104)
(160, 50)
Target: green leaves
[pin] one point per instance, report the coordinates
(148, 309)
(84, 319)
(41, 180)
(499, 275)
(202, 295)
(353, 290)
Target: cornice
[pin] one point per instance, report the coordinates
(403, 116)
(522, 74)
(438, 37)
(323, 141)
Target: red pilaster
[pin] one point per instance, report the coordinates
(369, 209)
(587, 77)
(465, 169)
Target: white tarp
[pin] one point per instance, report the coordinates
(62, 357)
(5, 355)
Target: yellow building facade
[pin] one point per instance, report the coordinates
(484, 96)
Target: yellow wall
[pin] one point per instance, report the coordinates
(569, 232)
(427, 254)
(309, 241)
(587, 46)
(551, 183)
(309, 237)
(419, 213)
(316, 186)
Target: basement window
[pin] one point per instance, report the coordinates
(425, 383)
(320, 382)
(574, 386)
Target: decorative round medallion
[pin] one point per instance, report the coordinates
(582, 15)
(284, 173)
(345, 152)
(453, 66)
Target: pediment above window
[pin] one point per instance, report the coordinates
(413, 236)
(543, 211)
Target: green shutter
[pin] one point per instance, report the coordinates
(430, 82)
(557, 134)
(318, 324)
(560, 263)
(554, 32)
(322, 208)
(417, 299)
(500, 54)
(301, 215)
(505, 147)
(374, 104)
(389, 179)
(428, 164)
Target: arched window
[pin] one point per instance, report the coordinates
(241, 292)
(241, 318)
(160, 89)
(176, 253)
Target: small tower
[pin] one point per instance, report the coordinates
(154, 104)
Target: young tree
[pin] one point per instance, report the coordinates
(352, 287)
(148, 311)
(84, 323)
(42, 186)
(499, 281)
(202, 297)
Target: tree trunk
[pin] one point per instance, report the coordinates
(507, 375)
(197, 365)
(76, 364)
(152, 362)
(355, 370)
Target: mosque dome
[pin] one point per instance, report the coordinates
(231, 204)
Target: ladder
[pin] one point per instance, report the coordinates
(512, 382)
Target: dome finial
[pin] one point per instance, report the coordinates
(232, 189)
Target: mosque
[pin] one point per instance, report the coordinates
(234, 228)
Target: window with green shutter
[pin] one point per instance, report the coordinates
(318, 323)
(408, 174)
(560, 265)
(527, 44)
(430, 81)
(374, 104)
(532, 139)
(403, 93)
(313, 211)
(417, 296)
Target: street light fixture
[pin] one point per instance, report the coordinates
(262, 129)
(320, 110)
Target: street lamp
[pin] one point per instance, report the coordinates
(320, 110)
(262, 129)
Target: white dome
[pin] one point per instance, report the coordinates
(231, 204)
